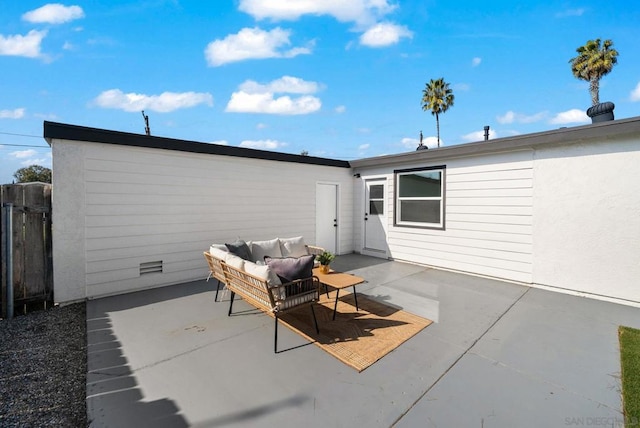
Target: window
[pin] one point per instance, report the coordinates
(376, 199)
(420, 197)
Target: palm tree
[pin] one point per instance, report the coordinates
(592, 63)
(437, 97)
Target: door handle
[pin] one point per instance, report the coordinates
(335, 222)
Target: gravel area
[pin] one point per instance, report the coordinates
(43, 368)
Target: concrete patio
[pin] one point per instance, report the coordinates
(497, 355)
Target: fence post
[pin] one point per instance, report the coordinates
(8, 297)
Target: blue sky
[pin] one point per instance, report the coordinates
(337, 78)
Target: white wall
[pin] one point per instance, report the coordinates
(565, 216)
(118, 206)
(488, 217)
(587, 218)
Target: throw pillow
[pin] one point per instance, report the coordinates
(291, 268)
(293, 247)
(240, 249)
(271, 248)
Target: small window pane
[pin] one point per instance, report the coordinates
(376, 207)
(420, 211)
(427, 184)
(376, 191)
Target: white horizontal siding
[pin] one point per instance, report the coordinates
(488, 218)
(140, 205)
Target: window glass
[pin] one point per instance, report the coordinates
(376, 207)
(419, 198)
(421, 184)
(420, 211)
(375, 191)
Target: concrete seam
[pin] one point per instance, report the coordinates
(458, 359)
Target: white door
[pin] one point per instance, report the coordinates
(327, 216)
(375, 218)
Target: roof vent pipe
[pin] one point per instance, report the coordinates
(486, 133)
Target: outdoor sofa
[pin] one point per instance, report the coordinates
(273, 275)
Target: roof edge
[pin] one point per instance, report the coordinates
(575, 134)
(62, 131)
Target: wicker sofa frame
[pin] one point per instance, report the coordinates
(272, 299)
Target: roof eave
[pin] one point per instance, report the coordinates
(602, 130)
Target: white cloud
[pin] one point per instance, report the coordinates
(340, 109)
(252, 43)
(476, 61)
(253, 97)
(262, 126)
(635, 94)
(12, 114)
(53, 13)
(21, 154)
(242, 102)
(262, 144)
(286, 84)
(363, 12)
(18, 45)
(570, 12)
(461, 86)
(220, 142)
(364, 146)
(163, 103)
(479, 136)
(570, 116)
(384, 34)
(36, 161)
(511, 117)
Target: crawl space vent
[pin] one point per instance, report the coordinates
(151, 267)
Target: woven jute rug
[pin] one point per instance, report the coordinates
(357, 338)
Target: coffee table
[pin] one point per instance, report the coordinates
(339, 281)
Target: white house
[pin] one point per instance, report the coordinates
(557, 209)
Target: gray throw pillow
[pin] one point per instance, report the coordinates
(291, 268)
(240, 249)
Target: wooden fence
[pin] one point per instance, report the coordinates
(32, 252)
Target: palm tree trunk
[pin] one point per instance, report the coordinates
(594, 89)
(438, 128)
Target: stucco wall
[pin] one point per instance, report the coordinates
(587, 218)
(116, 207)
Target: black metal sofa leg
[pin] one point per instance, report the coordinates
(217, 289)
(231, 303)
(275, 335)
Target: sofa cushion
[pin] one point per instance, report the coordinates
(218, 253)
(291, 268)
(234, 261)
(293, 247)
(240, 249)
(263, 272)
(260, 249)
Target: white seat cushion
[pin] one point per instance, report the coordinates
(293, 247)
